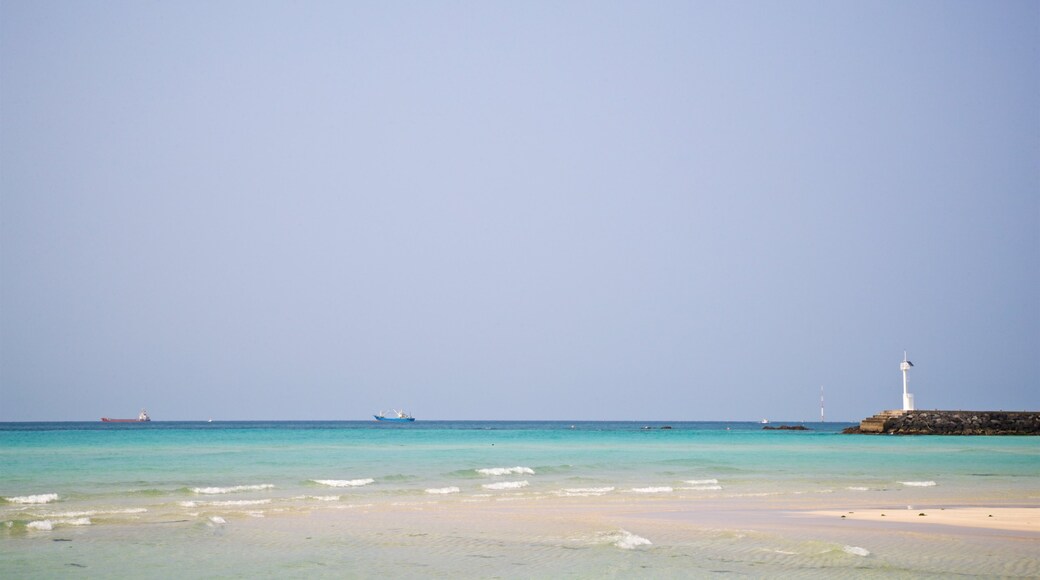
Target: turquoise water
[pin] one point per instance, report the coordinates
(172, 481)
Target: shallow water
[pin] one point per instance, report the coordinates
(515, 499)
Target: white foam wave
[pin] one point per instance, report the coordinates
(856, 551)
(759, 494)
(443, 490)
(48, 525)
(701, 481)
(229, 503)
(857, 488)
(344, 482)
(506, 485)
(89, 513)
(218, 520)
(518, 470)
(586, 491)
(35, 499)
(626, 540)
(319, 497)
(232, 489)
(350, 506)
(661, 489)
(702, 488)
(240, 502)
(918, 483)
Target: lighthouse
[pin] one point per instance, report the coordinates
(908, 399)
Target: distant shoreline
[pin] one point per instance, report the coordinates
(563, 422)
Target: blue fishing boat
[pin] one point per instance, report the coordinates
(394, 417)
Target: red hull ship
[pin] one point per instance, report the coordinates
(142, 418)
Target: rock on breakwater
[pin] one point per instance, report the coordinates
(951, 423)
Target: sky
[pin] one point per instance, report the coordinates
(517, 210)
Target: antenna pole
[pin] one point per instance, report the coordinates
(821, 404)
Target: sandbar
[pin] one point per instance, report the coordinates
(1018, 519)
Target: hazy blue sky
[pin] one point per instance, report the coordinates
(510, 210)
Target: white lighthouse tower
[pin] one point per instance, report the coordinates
(908, 399)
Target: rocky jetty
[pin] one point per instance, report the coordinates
(951, 423)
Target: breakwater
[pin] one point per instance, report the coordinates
(951, 423)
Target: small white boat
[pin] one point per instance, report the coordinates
(764, 421)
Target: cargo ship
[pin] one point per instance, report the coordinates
(396, 417)
(141, 418)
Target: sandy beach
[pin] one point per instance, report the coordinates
(1019, 519)
(623, 535)
(580, 536)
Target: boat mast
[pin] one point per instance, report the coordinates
(821, 404)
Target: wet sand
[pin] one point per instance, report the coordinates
(1019, 519)
(521, 536)
(674, 538)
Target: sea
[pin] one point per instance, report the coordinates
(509, 499)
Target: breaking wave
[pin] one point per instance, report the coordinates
(35, 499)
(518, 470)
(48, 525)
(344, 482)
(89, 513)
(506, 485)
(918, 483)
(231, 503)
(586, 491)
(232, 489)
(702, 481)
(661, 489)
(856, 551)
(626, 540)
(443, 490)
